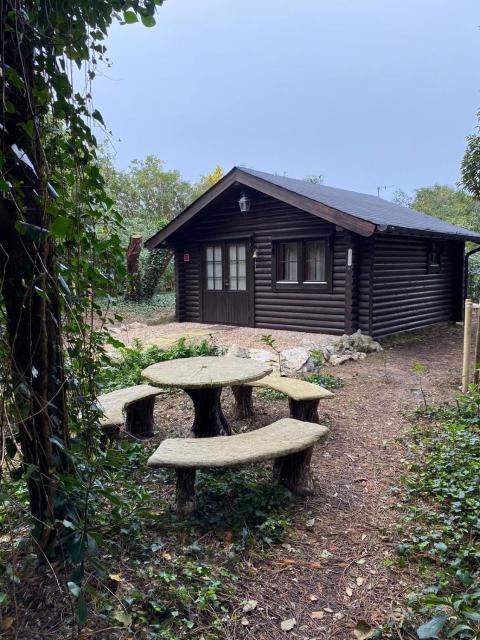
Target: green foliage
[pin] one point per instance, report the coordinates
(452, 205)
(158, 303)
(146, 194)
(269, 341)
(442, 504)
(471, 164)
(323, 379)
(125, 367)
(271, 394)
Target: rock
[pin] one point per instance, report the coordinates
(267, 357)
(336, 360)
(236, 351)
(115, 330)
(295, 360)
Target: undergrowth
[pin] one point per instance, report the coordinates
(149, 575)
(126, 365)
(442, 505)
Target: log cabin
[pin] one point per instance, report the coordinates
(273, 252)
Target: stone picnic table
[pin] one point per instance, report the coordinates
(202, 378)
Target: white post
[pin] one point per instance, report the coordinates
(467, 343)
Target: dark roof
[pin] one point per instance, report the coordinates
(359, 212)
(367, 207)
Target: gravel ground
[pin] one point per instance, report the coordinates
(223, 335)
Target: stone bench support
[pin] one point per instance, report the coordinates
(303, 397)
(289, 442)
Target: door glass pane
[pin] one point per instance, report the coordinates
(214, 268)
(287, 262)
(315, 263)
(237, 267)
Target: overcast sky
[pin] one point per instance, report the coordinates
(365, 92)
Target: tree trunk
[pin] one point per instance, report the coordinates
(28, 286)
(305, 410)
(293, 471)
(139, 417)
(243, 401)
(133, 253)
(186, 498)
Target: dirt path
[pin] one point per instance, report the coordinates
(334, 571)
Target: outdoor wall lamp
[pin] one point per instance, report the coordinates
(244, 203)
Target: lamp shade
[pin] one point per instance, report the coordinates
(244, 203)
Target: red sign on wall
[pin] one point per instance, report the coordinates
(186, 257)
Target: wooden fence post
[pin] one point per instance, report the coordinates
(467, 343)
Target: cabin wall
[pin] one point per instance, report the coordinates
(268, 218)
(404, 295)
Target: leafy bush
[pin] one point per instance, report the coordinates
(127, 364)
(324, 380)
(160, 302)
(443, 505)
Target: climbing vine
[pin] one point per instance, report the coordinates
(59, 253)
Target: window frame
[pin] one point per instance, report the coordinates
(435, 249)
(302, 284)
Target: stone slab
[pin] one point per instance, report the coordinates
(205, 372)
(281, 438)
(113, 404)
(295, 389)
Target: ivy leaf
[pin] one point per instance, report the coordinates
(27, 127)
(130, 17)
(98, 116)
(123, 617)
(73, 588)
(60, 227)
(432, 628)
(148, 21)
(82, 613)
(31, 231)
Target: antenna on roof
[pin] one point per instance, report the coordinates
(384, 187)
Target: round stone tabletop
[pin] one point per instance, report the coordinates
(205, 372)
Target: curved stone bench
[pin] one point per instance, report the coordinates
(132, 406)
(303, 396)
(289, 442)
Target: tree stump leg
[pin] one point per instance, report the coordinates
(186, 498)
(305, 410)
(139, 417)
(243, 401)
(209, 419)
(293, 471)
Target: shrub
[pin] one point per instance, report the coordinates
(127, 364)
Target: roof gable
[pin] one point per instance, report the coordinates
(358, 212)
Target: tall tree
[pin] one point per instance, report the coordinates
(453, 205)
(46, 143)
(146, 194)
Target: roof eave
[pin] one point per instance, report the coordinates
(236, 175)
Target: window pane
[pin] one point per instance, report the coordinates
(287, 265)
(315, 261)
(236, 267)
(214, 268)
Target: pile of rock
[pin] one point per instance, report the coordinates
(353, 347)
(309, 355)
